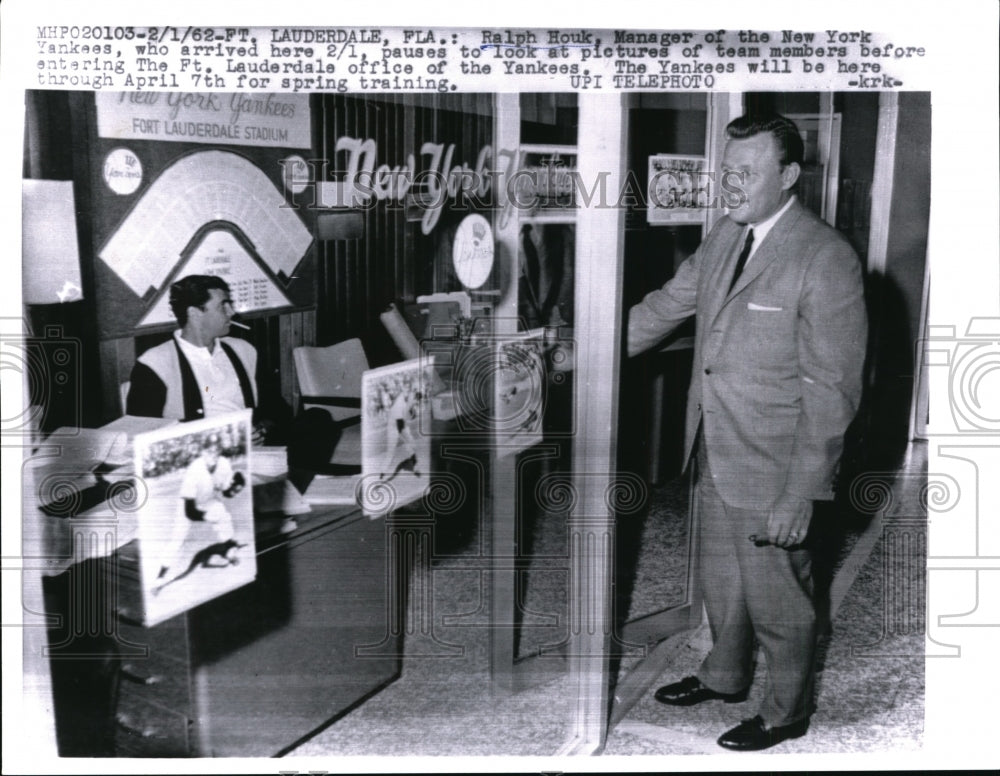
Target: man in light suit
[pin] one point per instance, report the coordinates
(779, 349)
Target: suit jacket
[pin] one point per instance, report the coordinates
(777, 361)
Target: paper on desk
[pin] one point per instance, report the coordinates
(122, 431)
(80, 449)
(52, 480)
(270, 461)
(55, 542)
(64, 464)
(325, 489)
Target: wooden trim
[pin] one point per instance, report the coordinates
(603, 137)
(634, 686)
(507, 134)
(882, 180)
(500, 511)
(920, 403)
(721, 109)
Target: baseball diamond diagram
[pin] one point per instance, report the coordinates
(200, 188)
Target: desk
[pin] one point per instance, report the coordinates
(254, 671)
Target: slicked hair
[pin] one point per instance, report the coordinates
(782, 129)
(193, 291)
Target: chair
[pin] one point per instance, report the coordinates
(330, 378)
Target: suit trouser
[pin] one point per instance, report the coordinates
(754, 591)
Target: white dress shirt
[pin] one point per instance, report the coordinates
(216, 377)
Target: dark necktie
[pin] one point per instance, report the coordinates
(741, 262)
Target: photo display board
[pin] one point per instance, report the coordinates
(194, 184)
(196, 529)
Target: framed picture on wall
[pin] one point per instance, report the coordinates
(678, 189)
(544, 186)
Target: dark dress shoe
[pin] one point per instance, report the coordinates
(690, 690)
(751, 735)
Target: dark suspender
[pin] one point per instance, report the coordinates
(241, 375)
(194, 409)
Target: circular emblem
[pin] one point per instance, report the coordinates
(472, 251)
(295, 172)
(122, 171)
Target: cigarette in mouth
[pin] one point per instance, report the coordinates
(240, 325)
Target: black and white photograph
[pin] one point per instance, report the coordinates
(511, 392)
(395, 450)
(195, 531)
(520, 381)
(545, 177)
(678, 191)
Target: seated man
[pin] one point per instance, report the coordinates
(200, 372)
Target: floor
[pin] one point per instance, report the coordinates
(870, 690)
